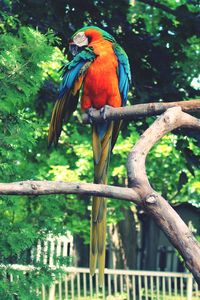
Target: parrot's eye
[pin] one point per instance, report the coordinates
(73, 48)
(89, 39)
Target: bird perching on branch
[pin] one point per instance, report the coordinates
(100, 68)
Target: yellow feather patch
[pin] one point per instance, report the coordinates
(93, 248)
(77, 85)
(102, 245)
(96, 145)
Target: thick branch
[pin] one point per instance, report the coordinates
(173, 118)
(176, 230)
(61, 187)
(140, 188)
(167, 219)
(143, 110)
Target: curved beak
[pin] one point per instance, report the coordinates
(73, 48)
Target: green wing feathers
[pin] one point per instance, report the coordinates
(62, 111)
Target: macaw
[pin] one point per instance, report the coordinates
(100, 68)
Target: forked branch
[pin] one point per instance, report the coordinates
(140, 190)
(161, 211)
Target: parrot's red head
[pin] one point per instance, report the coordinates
(85, 36)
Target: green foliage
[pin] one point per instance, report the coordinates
(24, 57)
(163, 48)
(172, 164)
(25, 285)
(18, 55)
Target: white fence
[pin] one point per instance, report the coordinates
(125, 284)
(77, 284)
(51, 250)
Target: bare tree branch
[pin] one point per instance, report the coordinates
(143, 110)
(61, 187)
(165, 216)
(140, 190)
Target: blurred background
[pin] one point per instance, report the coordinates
(162, 41)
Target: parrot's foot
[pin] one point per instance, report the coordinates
(104, 110)
(90, 113)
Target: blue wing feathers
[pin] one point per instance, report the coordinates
(69, 78)
(71, 71)
(124, 72)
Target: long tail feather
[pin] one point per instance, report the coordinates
(93, 247)
(116, 129)
(101, 150)
(102, 246)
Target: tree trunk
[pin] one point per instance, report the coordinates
(128, 234)
(116, 250)
(81, 252)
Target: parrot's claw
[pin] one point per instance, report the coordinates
(104, 110)
(90, 112)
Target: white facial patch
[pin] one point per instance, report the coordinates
(80, 39)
